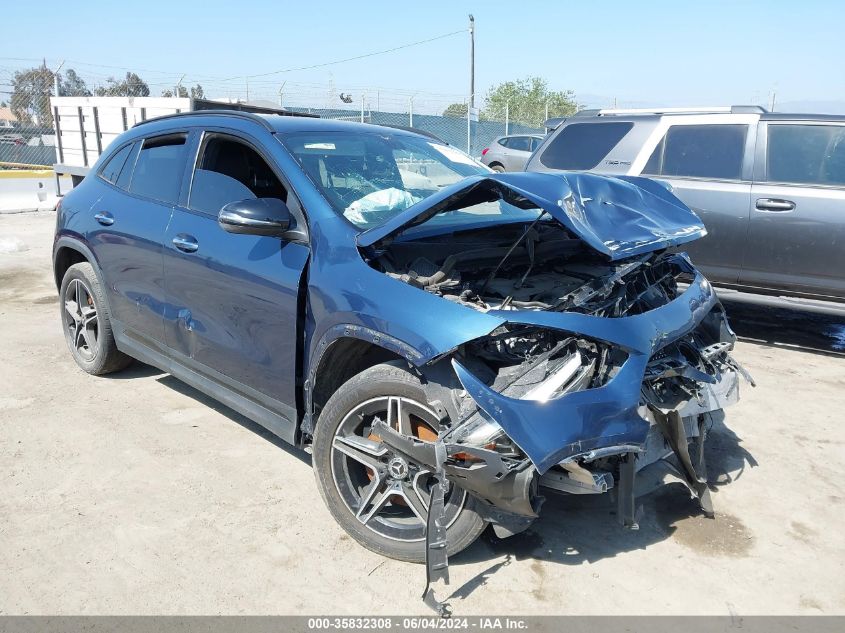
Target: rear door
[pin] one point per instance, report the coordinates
(132, 216)
(709, 167)
(233, 298)
(517, 153)
(796, 237)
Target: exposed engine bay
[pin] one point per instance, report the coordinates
(612, 358)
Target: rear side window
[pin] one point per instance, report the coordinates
(806, 154)
(583, 145)
(159, 167)
(111, 170)
(535, 143)
(700, 151)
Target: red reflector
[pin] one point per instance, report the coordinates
(485, 150)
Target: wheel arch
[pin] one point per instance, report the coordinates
(66, 253)
(339, 360)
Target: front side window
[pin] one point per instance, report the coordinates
(806, 154)
(370, 177)
(111, 170)
(700, 151)
(159, 167)
(582, 146)
(230, 171)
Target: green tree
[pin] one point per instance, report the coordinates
(30, 100)
(131, 86)
(456, 110)
(183, 92)
(72, 85)
(526, 100)
(195, 93)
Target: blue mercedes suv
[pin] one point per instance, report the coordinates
(448, 342)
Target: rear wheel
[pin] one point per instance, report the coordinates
(86, 322)
(381, 498)
(497, 167)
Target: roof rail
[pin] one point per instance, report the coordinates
(250, 116)
(737, 109)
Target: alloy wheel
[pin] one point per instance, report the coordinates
(81, 319)
(385, 491)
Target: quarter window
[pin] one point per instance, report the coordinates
(230, 171)
(111, 170)
(700, 151)
(158, 170)
(582, 146)
(806, 154)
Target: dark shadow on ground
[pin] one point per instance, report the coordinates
(136, 370)
(574, 529)
(177, 385)
(786, 327)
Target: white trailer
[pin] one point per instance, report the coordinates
(85, 126)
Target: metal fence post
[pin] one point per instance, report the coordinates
(507, 116)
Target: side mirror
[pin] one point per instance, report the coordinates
(255, 216)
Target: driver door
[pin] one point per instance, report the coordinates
(232, 299)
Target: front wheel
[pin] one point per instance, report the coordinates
(380, 498)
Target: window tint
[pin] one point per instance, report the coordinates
(504, 142)
(128, 167)
(520, 143)
(583, 145)
(702, 151)
(229, 171)
(111, 170)
(806, 154)
(158, 170)
(535, 143)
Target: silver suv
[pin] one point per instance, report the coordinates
(769, 187)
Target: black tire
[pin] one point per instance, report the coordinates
(386, 380)
(92, 345)
(497, 168)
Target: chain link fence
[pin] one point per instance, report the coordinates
(27, 136)
(469, 136)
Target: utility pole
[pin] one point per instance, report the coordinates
(281, 88)
(471, 61)
(772, 102)
(177, 86)
(362, 107)
(471, 104)
(507, 115)
(56, 79)
(411, 111)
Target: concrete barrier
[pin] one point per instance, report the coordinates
(29, 190)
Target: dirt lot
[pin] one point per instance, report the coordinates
(136, 494)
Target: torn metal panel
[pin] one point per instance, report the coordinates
(618, 217)
(577, 422)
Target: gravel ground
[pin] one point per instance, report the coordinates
(135, 494)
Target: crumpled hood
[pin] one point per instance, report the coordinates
(617, 216)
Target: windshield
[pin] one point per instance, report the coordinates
(370, 177)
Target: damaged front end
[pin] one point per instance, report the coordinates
(612, 354)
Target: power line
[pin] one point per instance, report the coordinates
(348, 59)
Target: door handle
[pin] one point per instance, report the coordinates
(774, 204)
(105, 218)
(186, 243)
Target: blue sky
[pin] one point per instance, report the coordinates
(647, 52)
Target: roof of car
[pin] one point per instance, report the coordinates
(656, 113)
(282, 124)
